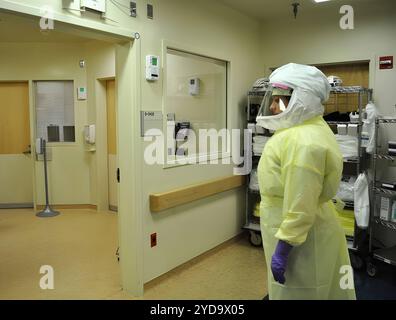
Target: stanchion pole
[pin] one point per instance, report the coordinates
(47, 212)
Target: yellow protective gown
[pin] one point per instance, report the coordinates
(299, 172)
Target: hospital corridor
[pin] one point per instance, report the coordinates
(82, 247)
(226, 152)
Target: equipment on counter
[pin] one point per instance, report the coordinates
(261, 85)
(334, 81)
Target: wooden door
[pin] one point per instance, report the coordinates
(16, 167)
(353, 74)
(112, 143)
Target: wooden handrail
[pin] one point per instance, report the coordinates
(166, 200)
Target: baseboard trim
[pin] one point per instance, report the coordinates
(193, 261)
(70, 206)
(16, 205)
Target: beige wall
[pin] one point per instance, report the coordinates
(100, 58)
(69, 169)
(210, 29)
(73, 174)
(316, 39)
(213, 30)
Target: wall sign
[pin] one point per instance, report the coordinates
(386, 62)
(150, 120)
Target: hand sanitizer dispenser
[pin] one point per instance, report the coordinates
(193, 87)
(39, 145)
(152, 68)
(90, 134)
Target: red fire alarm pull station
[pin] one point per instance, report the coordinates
(386, 62)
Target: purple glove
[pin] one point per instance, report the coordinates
(279, 261)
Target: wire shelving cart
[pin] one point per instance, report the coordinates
(385, 254)
(252, 220)
(345, 96)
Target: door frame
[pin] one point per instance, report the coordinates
(128, 92)
(110, 206)
(101, 143)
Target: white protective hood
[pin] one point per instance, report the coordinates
(311, 89)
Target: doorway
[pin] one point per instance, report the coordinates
(16, 168)
(112, 144)
(72, 181)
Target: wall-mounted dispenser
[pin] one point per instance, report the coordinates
(89, 134)
(152, 68)
(193, 86)
(39, 146)
(96, 5)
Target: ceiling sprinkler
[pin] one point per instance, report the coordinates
(295, 9)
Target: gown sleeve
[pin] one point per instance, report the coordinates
(302, 174)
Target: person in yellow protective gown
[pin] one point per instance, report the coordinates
(299, 173)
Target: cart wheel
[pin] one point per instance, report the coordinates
(356, 261)
(371, 269)
(255, 239)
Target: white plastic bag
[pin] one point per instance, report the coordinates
(369, 126)
(346, 189)
(254, 184)
(348, 145)
(259, 143)
(362, 202)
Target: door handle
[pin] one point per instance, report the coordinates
(29, 150)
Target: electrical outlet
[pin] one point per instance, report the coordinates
(153, 239)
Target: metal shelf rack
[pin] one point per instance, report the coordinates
(387, 255)
(339, 93)
(252, 222)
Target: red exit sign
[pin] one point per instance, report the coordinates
(386, 62)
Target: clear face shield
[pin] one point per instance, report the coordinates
(272, 104)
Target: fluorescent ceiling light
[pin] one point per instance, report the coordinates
(318, 1)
